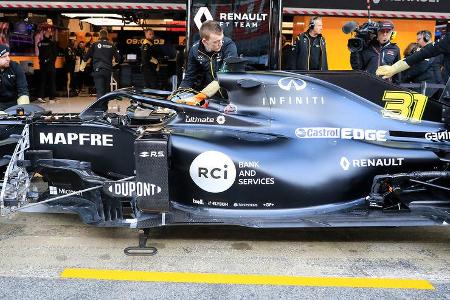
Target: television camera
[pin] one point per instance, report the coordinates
(363, 34)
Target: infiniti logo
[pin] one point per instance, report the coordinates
(203, 11)
(288, 83)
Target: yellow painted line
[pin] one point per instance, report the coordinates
(384, 283)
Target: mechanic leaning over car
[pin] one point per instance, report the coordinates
(431, 50)
(102, 54)
(149, 62)
(13, 83)
(205, 59)
(310, 48)
(379, 52)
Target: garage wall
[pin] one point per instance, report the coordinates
(339, 55)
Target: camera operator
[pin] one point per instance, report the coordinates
(440, 47)
(379, 52)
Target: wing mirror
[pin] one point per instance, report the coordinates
(248, 83)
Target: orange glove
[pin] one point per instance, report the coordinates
(197, 100)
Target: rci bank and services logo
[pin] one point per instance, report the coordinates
(213, 171)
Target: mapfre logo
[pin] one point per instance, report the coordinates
(213, 171)
(291, 84)
(202, 11)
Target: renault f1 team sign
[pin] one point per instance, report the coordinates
(247, 23)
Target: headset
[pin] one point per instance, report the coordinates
(312, 22)
(426, 35)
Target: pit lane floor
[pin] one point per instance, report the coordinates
(37, 249)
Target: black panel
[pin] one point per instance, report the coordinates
(151, 170)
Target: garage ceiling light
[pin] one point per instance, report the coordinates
(107, 22)
(84, 15)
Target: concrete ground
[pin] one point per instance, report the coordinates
(36, 248)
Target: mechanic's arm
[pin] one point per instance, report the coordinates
(297, 54)
(86, 58)
(199, 99)
(231, 50)
(116, 54)
(324, 55)
(54, 52)
(21, 85)
(192, 69)
(397, 78)
(408, 75)
(440, 47)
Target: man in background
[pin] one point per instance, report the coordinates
(310, 48)
(424, 38)
(47, 59)
(102, 53)
(13, 83)
(149, 61)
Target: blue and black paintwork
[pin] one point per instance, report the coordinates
(282, 180)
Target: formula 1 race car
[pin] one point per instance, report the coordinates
(281, 150)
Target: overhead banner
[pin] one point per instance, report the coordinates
(254, 25)
(438, 6)
(91, 5)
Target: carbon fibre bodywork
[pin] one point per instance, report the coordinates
(284, 150)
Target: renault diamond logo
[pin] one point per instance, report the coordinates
(144, 154)
(203, 11)
(291, 82)
(345, 164)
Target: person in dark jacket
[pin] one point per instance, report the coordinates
(102, 53)
(287, 55)
(149, 61)
(310, 48)
(206, 58)
(47, 59)
(425, 38)
(80, 79)
(421, 72)
(379, 52)
(70, 59)
(180, 60)
(13, 83)
(440, 47)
